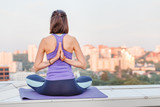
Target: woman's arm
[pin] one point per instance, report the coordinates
(39, 64)
(75, 63)
(81, 63)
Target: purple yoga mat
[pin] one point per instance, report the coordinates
(30, 94)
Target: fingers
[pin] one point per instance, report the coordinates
(59, 47)
(62, 54)
(60, 51)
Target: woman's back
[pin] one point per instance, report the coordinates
(51, 43)
(59, 70)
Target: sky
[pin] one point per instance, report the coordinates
(109, 22)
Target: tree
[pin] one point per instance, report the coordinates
(157, 65)
(155, 79)
(133, 81)
(116, 81)
(143, 78)
(26, 65)
(104, 76)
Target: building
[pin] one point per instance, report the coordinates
(136, 51)
(115, 51)
(17, 52)
(15, 66)
(20, 52)
(153, 56)
(104, 58)
(113, 63)
(127, 60)
(157, 49)
(4, 73)
(144, 67)
(104, 51)
(32, 51)
(93, 61)
(121, 57)
(86, 49)
(139, 72)
(6, 58)
(99, 57)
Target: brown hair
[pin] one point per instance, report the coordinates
(59, 22)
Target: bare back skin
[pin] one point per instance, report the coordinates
(51, 43)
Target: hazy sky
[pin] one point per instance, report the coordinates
(108, 22)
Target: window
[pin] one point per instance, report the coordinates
(1, 77)
(1, 73)
(6, 77)
(6, 69)
(6, 73)
(1, 69)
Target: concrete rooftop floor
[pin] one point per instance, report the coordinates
(118, 96)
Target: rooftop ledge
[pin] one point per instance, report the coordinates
(118, 96)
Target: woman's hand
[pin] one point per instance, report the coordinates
(57, 55)
(59, 51)
(61, 54)
(33, 69)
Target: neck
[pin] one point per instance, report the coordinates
(59, 34)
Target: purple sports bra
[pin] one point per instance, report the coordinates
(59, 70)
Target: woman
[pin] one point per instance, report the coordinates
(59, 47)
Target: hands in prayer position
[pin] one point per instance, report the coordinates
(59, 54)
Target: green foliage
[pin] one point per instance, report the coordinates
(157, 65)
(143, 78)
(89, 73)
(24, 59)
(155, 79)
(116, 81)
(133, 81)
(104, 76)
(128, 78)
(96, 82)
(127, 73)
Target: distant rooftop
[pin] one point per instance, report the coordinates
(118, 96)
(4, 66)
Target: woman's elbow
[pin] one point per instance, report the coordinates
(84, 66)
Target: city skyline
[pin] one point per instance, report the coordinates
(111, 23)
(101, 58)
(18, 51)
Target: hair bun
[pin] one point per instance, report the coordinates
(59, 14)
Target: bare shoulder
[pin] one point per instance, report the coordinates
(72, 38)
(48, 38)
(69, 36)
(74, 42)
